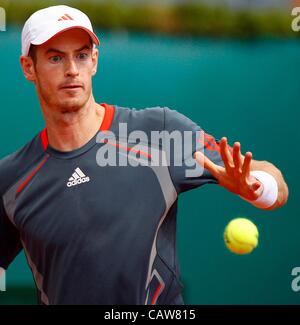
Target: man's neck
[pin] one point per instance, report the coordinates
(72, 130)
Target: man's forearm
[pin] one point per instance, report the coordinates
(283, 191)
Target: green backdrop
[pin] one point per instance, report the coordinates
(247, 91)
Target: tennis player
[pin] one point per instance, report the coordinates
(96, 233)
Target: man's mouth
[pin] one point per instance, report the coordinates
(71, 86)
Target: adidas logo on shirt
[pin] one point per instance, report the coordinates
(78, 177)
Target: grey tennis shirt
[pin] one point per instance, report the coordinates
(96, 234)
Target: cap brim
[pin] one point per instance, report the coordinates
(46, 36)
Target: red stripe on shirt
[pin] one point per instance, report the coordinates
(20, 188)
(153, 301)
(108, 117)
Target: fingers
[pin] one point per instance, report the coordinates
(207, 163)
(225, 154)
(255, 190)
(246, 165)
(258, 189)
(256, 186)
(237, 158)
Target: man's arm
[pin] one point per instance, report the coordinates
(235, 175)
(283, 191)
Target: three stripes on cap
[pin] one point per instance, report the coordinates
(65, 17)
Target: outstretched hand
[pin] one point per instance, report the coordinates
(235, 175)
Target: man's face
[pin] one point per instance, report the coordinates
(63, 70)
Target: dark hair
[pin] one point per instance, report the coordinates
(32, 53)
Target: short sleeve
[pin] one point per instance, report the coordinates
(10, 243)
(185, 172)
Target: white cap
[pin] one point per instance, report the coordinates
(46, 23)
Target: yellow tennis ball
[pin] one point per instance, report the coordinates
(241, 236)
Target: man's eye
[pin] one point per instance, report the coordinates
(82, 56)
(55, 59)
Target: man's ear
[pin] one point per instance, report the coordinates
(95, 54)
(27, 65)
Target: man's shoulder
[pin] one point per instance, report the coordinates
(14, 165)
(154, 118)
(143, 114)
(149, 118)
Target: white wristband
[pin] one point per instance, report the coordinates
(270, 193)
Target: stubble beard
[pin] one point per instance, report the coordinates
(71, 105)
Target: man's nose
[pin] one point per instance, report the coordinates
(71, 68)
